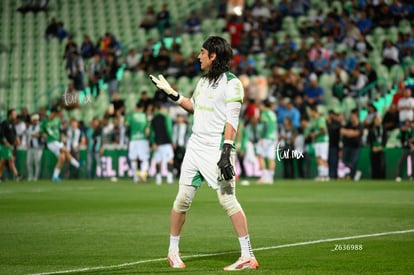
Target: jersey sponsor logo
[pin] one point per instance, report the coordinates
(204, 108)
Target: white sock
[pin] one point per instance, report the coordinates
(246, 248)
(158, 179)
(144, 166)
(174, 241)
(271, 174)
(74, 162)
(320, 171)
(325, 171)
(134, 166)
(169, 177)
(263, 174)
(56, 172)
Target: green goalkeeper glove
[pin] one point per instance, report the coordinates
(224, 164)
(164, 86)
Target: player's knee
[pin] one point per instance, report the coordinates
(61, 157)
(229, 203)
(184, 199)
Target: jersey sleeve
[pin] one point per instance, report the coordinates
(321, 124)
(43, 126)
(234, 91)
(169, 126)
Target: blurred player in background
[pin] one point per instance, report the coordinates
(8, 139)
(50, 127)
(74, 139)
(317, 131)
(407, 141)
(180, 138)
(352, 139)
(34, 148)
(210, 154)
(266, 147)
(161, 141)
(95, 148)
(138, 148)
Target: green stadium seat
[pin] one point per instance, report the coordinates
(337, 5)
(404, 23)
(300, 20)
(362, 114)
(397, 73)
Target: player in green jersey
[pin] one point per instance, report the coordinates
(8, 139)
(50, 128)
(266, 147)
(317, 132)
(138, 148)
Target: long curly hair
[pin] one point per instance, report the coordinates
(224, 55)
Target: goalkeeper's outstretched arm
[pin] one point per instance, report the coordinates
(164, 86)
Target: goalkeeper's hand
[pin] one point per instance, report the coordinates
(224, 164)
(164, 86)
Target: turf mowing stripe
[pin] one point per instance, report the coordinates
(229, 252)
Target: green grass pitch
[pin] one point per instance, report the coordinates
(47, 227)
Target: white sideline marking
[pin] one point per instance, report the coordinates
(229, 252)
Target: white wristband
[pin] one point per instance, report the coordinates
(228, 141)
(180, 99)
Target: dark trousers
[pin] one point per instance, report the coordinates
(178, 158)
(94, 161)
(350, 157)
(242, 168)
(333, 160)
(405, 153)
(377, 164)
(288, 170)
(304, 166)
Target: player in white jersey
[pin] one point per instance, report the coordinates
(216, 104)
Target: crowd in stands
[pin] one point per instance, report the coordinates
(98, 61)
(331, 40)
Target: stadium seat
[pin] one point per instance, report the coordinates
(404, 24)
(396, 73)
(337, 5)
(300, 20)
(388, 99)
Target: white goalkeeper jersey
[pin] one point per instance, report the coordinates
(209, 103)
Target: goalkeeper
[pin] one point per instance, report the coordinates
(216, 104)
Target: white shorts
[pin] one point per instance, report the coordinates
(200, 164)
(55, 147)
(266, 148)
(164, 152)
(321, 150)
(139, 149)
